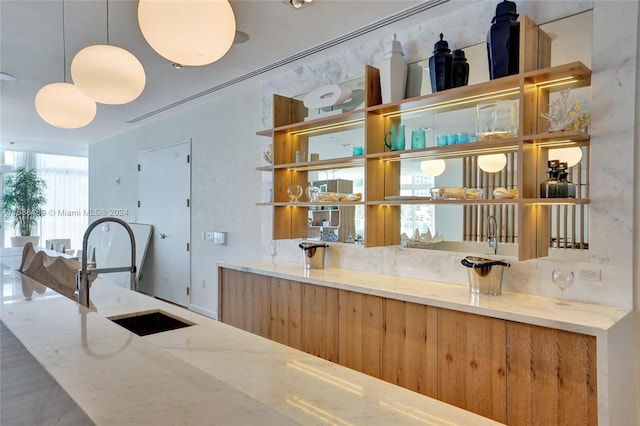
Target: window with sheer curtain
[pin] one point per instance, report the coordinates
(67, 195)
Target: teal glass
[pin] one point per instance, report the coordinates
(442, 140)
(395, 139)
(418, 139)
(358, 150)
(452, 139)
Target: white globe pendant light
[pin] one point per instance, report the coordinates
(108, 74)
(188, 32)
(492, 163)
(571, 155)
(64, 105)
(433, 167)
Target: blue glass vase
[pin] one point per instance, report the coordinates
(503, 41)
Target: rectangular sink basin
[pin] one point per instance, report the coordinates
(150, 323)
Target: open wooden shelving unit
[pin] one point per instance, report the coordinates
(531, 87)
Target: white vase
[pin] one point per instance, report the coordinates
(21, 241)
(393, 73)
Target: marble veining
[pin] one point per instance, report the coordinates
(209, 373)
(611, 168)
(579, 317)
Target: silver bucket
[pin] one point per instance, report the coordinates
(485, 275)
(313, 254)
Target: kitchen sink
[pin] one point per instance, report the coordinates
(147, 323)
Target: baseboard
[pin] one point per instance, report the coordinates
(203, 311)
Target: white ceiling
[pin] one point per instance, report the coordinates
(32, 50)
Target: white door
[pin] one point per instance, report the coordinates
(164, 192)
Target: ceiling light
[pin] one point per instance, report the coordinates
(492, 163)
(297, 4)
(571, 156)
(433, 167)
(108, 74)
(189, 32)
(64, 105)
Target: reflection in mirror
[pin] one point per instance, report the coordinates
(337, 144)
(571, 40)
(337, 223)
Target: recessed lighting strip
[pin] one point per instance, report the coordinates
(328, 127)
(452, 154)
(456, 102)
(326, 166)
(557, 82)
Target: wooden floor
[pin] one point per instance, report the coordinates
(29, 396)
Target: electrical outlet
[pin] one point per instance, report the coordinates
(589, 274)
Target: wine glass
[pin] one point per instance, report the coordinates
(294, 192)
(563, 279)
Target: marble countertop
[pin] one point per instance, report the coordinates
(585, 318)
(203, 374)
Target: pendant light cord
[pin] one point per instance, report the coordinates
(108, 43)
(64, 48)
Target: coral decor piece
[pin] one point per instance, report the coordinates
(565, 114)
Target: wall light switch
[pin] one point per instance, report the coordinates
(220, 238)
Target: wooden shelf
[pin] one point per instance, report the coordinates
(526, 154)
(453, 99)
(333, 163)
(558, 138)
(450, 151)
(574, 74)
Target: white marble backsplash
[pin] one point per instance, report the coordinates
(612, 144)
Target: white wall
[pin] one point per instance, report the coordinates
(225, 185)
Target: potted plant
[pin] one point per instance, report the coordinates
(23, 200)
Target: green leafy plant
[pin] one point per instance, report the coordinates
(23, 199)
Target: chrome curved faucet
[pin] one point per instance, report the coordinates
(492, 236)
(82, 277)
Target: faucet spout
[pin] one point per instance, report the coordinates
(492, 235)
(82, 277)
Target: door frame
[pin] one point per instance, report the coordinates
(187, 141)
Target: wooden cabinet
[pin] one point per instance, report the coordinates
(257, 307)
(410, 346)
(360, 332)
(320, 321)
(286, 312)
(551, 376)
(472, 363)
(514, 373)
(527, 219)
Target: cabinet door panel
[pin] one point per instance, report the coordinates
(320, 321)
(472, 363)
(286, 312)
(360, 332)
(551, 376)
(232, 295)
(257, 304)
(410, 346)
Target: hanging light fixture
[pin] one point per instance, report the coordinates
(63, 104)
(492, 163)
(571, 155)
(433, 167)
(188, 32)
(297, 4)
(108, 74)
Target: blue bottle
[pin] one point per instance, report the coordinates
(503, 41)
(440, 66)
